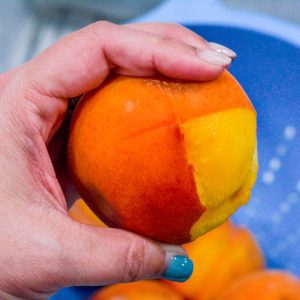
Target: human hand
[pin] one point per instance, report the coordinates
(42, 249)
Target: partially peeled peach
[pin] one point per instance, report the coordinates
(167, 159)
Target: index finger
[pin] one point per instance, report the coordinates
(82, 60)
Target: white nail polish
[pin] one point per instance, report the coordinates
(223, 50)
(214, 57)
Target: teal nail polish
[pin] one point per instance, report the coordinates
(180, 269)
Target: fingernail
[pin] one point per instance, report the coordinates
(214, 57)
(180, 269)
(223, 50)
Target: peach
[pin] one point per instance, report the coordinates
(220, 257)
(80, 212)
(265, 285)
(141, 290)
(166, 159)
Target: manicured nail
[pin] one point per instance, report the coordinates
(214, 57)
(223, 50)
(180, 269)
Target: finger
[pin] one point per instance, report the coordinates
(82, 61)
(173, 31)
(183, 35)
(5, 77)
(96, 256)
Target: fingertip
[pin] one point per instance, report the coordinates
(177, 265)
(191, 68)
(184, 62)
(223, 50)
(214, 57)
(180, 269)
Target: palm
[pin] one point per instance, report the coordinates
(58, 153)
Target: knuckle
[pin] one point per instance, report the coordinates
(104, 23)
(100, 27)
(134, 267)
(184, 32)
(172, 29)
(100, 30)
(166, 41)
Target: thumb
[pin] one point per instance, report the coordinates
(101, 256)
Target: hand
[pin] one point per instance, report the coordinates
(42, 249)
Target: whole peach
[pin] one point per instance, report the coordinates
(141, 290)
(220, 257)
(265, 285)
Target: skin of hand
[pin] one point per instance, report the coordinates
(42, 249)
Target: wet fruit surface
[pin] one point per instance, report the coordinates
(166, 159)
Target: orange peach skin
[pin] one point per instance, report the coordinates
(266, 285)
(142, 290)
(80, 212)
(166, 159)
(220, 257)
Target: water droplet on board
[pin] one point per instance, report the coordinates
(268, 177)
(293, 198)
(291, 239)
(275, 164)
(284, 207)
(275, 218)
(289, 132)
(250, 211)
(281, 150)
(298, 186)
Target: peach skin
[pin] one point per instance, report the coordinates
(220, 257)
(141, 290)
(265, 285)
(80, 212)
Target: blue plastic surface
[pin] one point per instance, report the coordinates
(269, 70)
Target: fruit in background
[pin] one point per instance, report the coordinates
(166, 159)
(220, 257)
(80, 212)
(141, 290)
(265, 285)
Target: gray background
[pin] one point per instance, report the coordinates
(28, 26)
